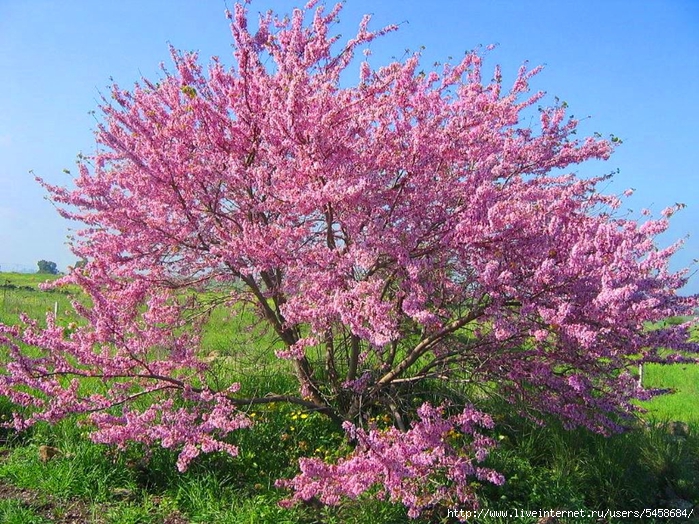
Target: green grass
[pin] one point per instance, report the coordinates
(20, 293)
(16, 512)
(551, 467)
(125, 487)
(545, 467)
(681, 403)
(27, 279)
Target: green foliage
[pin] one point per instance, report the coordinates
(47, 267)
(15, 512)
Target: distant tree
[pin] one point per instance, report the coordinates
(48, 267)
(413, 237)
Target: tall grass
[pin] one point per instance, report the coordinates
(549, 467)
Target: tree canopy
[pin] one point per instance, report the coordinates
(46, 266)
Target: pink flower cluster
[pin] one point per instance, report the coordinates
(194, 430)
(429, 464)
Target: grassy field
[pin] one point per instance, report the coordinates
(20, 293)
(56, 474)
(683, 381)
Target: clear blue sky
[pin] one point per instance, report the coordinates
(632, 65)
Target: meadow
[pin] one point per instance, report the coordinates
(56, 474)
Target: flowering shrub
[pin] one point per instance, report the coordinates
(402, 230)
(404, 465)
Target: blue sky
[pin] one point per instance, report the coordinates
(632, 66)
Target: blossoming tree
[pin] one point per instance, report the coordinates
(406, 229)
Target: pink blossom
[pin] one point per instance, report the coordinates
(402, 463)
